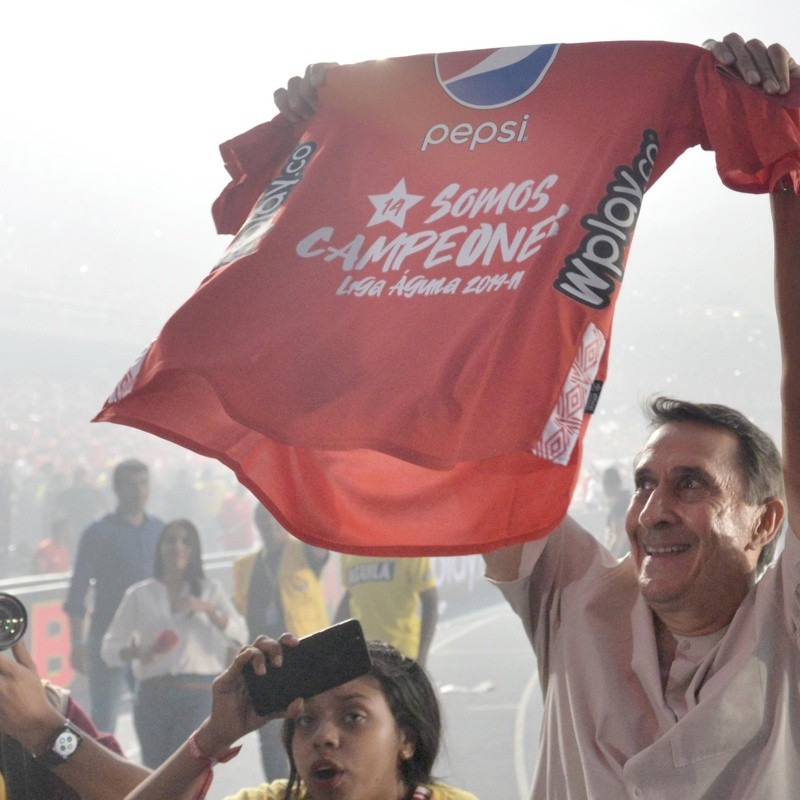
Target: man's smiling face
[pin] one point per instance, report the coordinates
(690, 529)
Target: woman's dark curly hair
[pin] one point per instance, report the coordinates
(412, 701)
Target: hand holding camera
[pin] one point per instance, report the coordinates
(24, 709)
(13, 620)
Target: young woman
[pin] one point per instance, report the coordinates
(374, 738)
(176, 630)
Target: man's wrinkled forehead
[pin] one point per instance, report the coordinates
(648, 447)
(691, 444)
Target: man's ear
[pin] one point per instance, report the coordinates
(769, 523)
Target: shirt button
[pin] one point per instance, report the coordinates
(685, 644)
(638, 791)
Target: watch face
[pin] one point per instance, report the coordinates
(66, 743)
(63, 746)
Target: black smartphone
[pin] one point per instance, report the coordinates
(321, 661)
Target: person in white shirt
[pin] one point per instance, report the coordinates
(177, 630)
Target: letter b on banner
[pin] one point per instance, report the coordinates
(50, 641)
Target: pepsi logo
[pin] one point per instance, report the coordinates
(493, 78)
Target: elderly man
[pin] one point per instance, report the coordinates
(675, 672)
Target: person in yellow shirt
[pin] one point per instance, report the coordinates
(395, 599)
(277, 588)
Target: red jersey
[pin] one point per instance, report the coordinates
(401, 347)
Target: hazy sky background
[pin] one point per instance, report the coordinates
(112, 114)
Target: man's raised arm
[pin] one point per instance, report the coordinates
(503, 564)
(786, 221)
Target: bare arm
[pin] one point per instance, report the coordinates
(786, 222)
(232, 716)
(93, 771)
(178, 778)
(97, 773)
(429, 613)
(343, 609)
(503, 564)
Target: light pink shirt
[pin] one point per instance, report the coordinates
(729, 728)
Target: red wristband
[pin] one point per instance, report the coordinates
(196, 752)
(208, 762)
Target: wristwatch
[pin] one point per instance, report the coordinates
(61, 745)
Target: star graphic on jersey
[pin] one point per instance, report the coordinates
(392, 207)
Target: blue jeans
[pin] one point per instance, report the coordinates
(106, 687)
(166, 711)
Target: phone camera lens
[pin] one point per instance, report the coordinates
(13, 620)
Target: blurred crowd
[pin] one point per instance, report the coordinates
(55, 470)
(55, 465)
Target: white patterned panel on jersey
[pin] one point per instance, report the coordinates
(125, 386)
(561, 432)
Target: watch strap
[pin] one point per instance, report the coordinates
(61, 745)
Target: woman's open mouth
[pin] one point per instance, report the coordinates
(326, 774)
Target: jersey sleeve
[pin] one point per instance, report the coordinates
(756, 137)
(550, 567)
(251, 159)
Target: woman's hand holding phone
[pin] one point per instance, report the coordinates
(232, 712)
